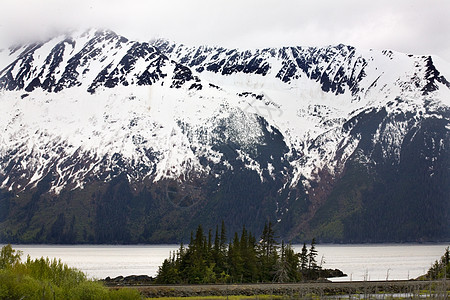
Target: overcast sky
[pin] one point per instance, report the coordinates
(411, 26)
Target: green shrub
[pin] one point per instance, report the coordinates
(50, 279)
(54, 271)
(13, 286)
(89, 290)
(9, 257)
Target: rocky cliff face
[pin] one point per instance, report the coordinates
(108, 140)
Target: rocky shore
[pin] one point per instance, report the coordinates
(140, 280)
(128, 280)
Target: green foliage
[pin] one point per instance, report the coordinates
(49, 279)
(89, 290)
(9, 257)
(124, 294)
(14, 286)
(242, 260)
(441, 268)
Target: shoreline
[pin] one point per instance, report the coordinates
(298, 289)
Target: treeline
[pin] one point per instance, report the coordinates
(50, 279)
(441, 268)
(209, 259)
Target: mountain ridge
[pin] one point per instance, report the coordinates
(196, 134)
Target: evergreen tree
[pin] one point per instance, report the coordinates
(312, 262)
(235, 259)
(292, 263)
(304, 258)
(223, 250)
(168, 273)
(216, 247)
(248, 253)
(223, 238)
(268, 255)
(287, 267)
(209, 241)
(209, 249)
(194, 263)
(216, 254)
(199, 241)
(282, 268)
(441, 268)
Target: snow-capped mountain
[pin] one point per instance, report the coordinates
(109, 140)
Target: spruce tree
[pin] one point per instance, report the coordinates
(216, 253)
(194, 264)
(235, 259)
(287, 267)
(304, 258)
(223, 249)
(312, 256)
(268, 255)
(223, 237)
(250, 260)
(282, 268)
(292, 262)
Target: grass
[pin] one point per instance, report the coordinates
(236, 297)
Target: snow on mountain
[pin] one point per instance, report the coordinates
(93, 105)
(307, 93)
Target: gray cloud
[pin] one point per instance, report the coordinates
(411, 26)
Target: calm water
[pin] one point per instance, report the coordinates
(360, 262)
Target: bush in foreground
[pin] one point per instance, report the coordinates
(49, 279)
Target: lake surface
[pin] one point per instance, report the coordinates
(360, 262)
